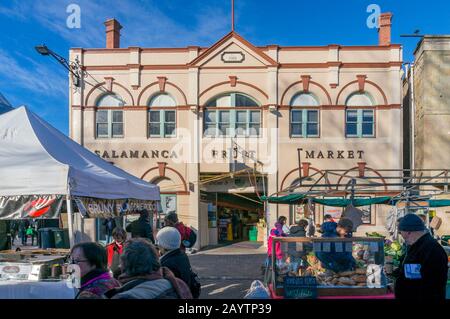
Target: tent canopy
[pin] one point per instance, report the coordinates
(37, 159)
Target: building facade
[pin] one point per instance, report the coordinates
(217, 127)
(427, 112)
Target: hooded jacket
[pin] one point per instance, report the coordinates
(275, 232)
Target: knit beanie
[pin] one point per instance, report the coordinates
(411, 222)
(168, 238)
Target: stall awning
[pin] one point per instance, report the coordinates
(344, 202)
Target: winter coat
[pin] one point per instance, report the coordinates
(114, 251)
(329, 229)
(95, 283)
(161, 284)
(178, 262)
(109, 224)
(184, 232)
(430, 278)
(141, 228)
(296, 231)
(275, 232)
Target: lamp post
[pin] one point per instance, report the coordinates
(73, 67)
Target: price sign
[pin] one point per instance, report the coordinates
(300, 287)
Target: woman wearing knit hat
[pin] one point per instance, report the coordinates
(168, 241)
(423, 272)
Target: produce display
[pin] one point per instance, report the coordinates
(363, 254)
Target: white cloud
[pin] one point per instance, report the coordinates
(32, 76)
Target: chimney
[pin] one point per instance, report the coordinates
(384, 29)
(112, 33)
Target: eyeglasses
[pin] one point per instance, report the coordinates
(75, 261)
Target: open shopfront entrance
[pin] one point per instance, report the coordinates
(232, 217)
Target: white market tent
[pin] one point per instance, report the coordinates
(37, 159)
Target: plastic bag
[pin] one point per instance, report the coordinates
(257, 291)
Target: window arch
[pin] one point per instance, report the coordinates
(110, 99)
(304, 120)
(239, 115)
(359, 115)
(161, 99)
(161, 118)
(304, 99)
(108, 121)
(232, 99)
(359, 99)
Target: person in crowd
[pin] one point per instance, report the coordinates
(23, 225)
(171, 220)
(311, 230)
(142, 227)
(168, 242)
(423, 271)
(30, 233)
(110, 225)
(337, 260)
(114, 250)
(14, 229)
(298, 230)
(95, 278)
(277, 231)
(344, 228)
(328, 227)
(143, 277)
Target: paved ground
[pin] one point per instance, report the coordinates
(227, 272)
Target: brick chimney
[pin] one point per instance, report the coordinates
(112, 33)
(384, 30)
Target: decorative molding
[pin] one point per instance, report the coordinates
(135, 87)
(367, 82)
(166, 83)
(103, 83)
(310, 82)
(228, 82)
(361, 168)
(162, 83)
(361, 78)
(162, 169)
(108, 83)
(232, 57)
(333, 85)
(305, 81)
(305, 168)
(183, 181)
(233, 80)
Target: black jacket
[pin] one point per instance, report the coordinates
(141, 228)
(178, 262)
(432, 280)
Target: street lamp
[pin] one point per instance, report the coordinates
(73, 67)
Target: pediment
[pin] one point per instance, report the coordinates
(233, 51)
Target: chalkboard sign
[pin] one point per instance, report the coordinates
(300, 287)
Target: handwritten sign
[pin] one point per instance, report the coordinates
(300, 287)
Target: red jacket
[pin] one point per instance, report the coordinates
(184, 232)
(110, 251)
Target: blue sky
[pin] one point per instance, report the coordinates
(40, 83)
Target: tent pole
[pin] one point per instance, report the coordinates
(70, 219)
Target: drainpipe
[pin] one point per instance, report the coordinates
(413, 116)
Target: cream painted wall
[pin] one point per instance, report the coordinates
(137, 71)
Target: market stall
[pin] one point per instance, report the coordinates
(328, 268)
(41, 168)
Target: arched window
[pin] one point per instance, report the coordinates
(304, 115)
(359, 119)
(109, 122)
(232, 114)
(161, 118)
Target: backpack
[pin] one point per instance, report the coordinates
(191, 238)
(195, 285)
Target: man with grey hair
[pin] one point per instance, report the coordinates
(423, 272)
(144, 278)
